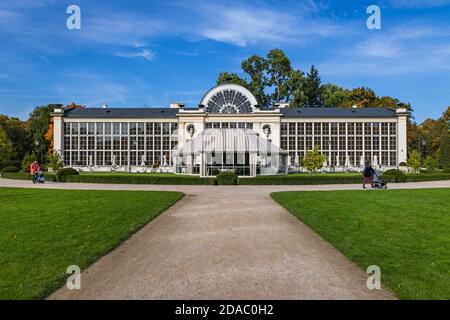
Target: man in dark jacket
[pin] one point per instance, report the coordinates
(368, 175)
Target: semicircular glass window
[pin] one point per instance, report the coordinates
(229, 101)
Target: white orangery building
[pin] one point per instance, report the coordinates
(228, 131)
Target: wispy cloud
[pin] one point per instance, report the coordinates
(243, 25)
(144, 53)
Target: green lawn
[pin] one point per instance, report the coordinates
(42, 232)
(405, 232)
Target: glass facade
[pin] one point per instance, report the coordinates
(338, 139)
(229, 125)
(119, 143)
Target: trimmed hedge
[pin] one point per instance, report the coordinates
(9, 169)
(416, 177)
(140, 179)
(303, 179)
(26, 176)
(227, 178)
(62, 174)
(295, 179)
(394, 175)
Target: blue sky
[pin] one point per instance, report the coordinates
(150, 53)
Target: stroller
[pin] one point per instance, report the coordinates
(38, 177)
(378, 181)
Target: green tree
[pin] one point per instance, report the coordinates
(334, 96)
(39, 122)
(19, 135)
(361, 97)
(431, 162)
(415, 160)
(225, 77)
(313, 159)
(6, 148)
(313, 89)
(279, 73)
(444, 152)
(27, 161)
(55, 162)
(256, 67)
(296, 86)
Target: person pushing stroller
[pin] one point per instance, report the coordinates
(36, 173)
(368, 174)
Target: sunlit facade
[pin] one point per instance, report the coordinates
(228, 131)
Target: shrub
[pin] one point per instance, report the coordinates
(403, 164)
(55, 162)
(227, 178)
(415, 160)
(10, 163)
(26, 176)
(10, 169)
(394, 175)
(431, 163)
(62, 174)
(314, 159)
(446, 170)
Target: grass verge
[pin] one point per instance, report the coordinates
(43, 231)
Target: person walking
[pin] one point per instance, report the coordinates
(368, 173)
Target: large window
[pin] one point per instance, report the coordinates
(360, 141)
(125, 143)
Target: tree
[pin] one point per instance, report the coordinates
(415, 160)
(6, 148)
(314, 159)
(225, 77)
(334, 96)
(313, 89)
(55, 162)
(386, 101)
(270, 79)
(431, 162)
(28, 160)
(296, 86)
(39, 123)
(446, 115)
(19, 135)
(279, 72)
(444, 152)
(361, 97)
(256, 66)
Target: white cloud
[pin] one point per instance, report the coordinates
(378, 48)
(144, 53)
(244, 25)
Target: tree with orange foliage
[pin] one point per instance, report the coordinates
(49, 134)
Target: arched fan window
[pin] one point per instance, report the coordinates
(229, 101)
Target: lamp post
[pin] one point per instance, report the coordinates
(422, 142)
(39, 149)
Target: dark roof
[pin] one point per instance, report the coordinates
(287, 112)
(338, 112)
(121, 113)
